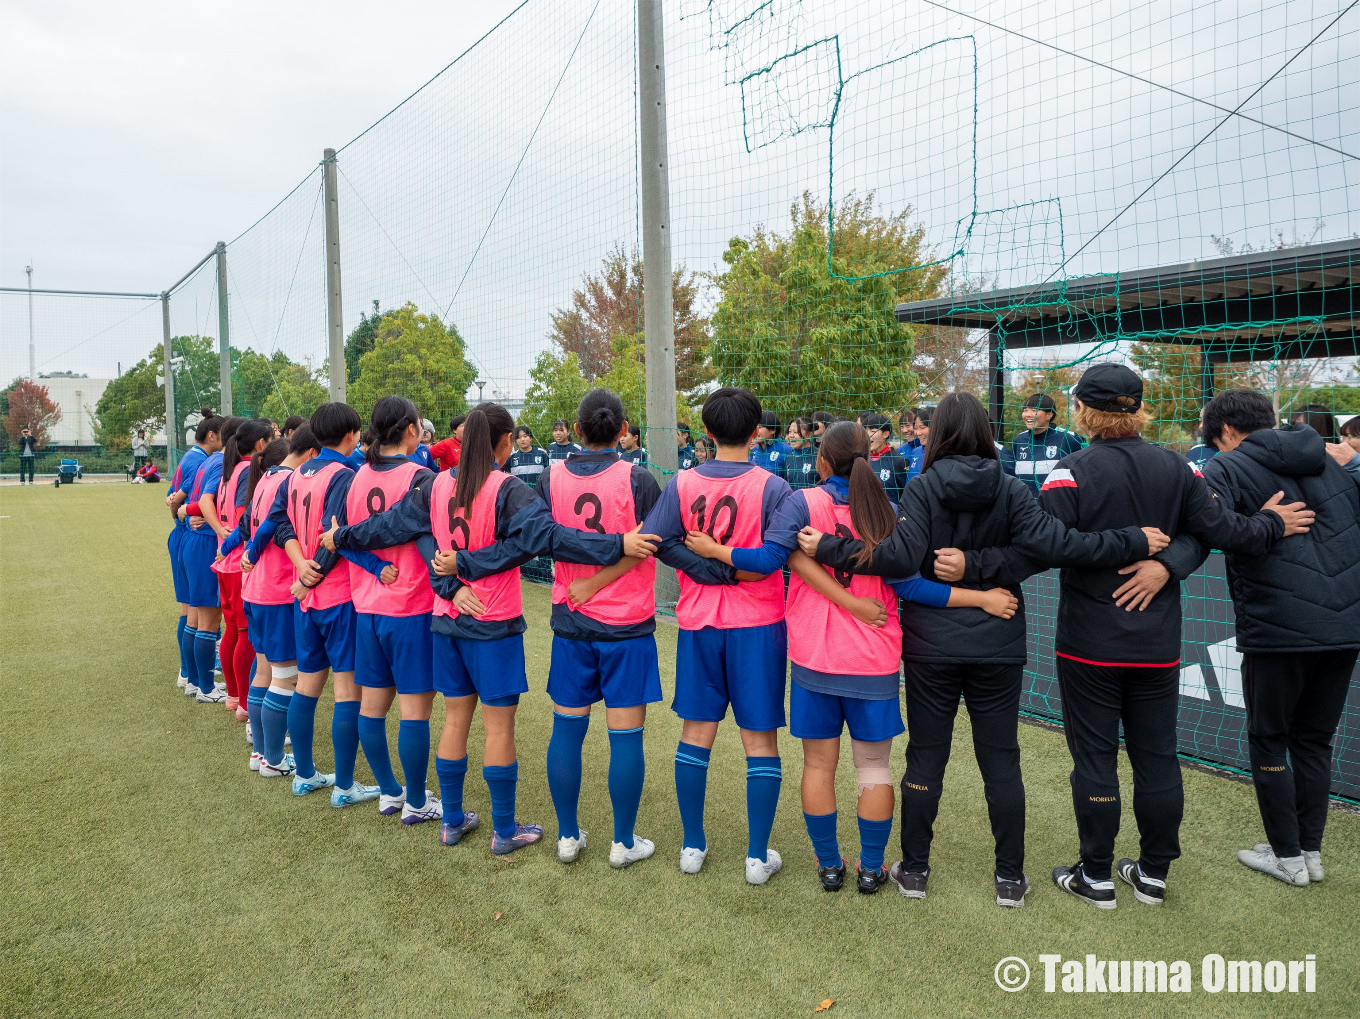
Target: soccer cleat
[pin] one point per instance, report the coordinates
(621, 856)
(389, 805)
(759, 871)
(1312, 860)
(870, 881)
(283, 769)
(1148, 890)
(182, 682)
(191, 689)
(214, 696)
(1074, 881)
(568, 849)
(910, 883)
(452, 834)
(833, 877)
(1011, 894)
(431, 810)
(242, 715)
(357, 793)
(256, 760)
(691, 860)
(320, 780)
(525, 835)
(221, 684)
(1291, 870)
(250, 736)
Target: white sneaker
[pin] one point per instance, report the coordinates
(283, 769)
(182, 682)
(250, 736)
(217, 695)
(190, 689)
(431, 810)
(256, 760)
(760, 871)
(1312, 862)
(691, 859)
(389, 805)
(1291, 870)
(221, 684)
(622, 856)
(569, 849)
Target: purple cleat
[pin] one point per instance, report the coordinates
(452, 834)
(525, 835)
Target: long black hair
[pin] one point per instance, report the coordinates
(271, 456)
(600, 417)
(958, 427)
(392, 415)
(482, 432)
(242, 443)
(845, 448)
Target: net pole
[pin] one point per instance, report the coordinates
(223, 330)
(658, 317)
(171, 425)
(335, 326)
(32, 350)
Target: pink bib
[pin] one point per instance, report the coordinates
(500, 592)
(602, 503)
(270, 580)
(231, 515)
(823, 636)
(728, 509)
(373, 492)
(306, 507)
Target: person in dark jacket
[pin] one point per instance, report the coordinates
(963, 500)
(28, 446)
(1298, 622)
(1119, 666)
(891, 467)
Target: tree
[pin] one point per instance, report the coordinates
(276, 386)
(556, 385)
(416, 356)
(360, 342)
(30, 406)
(609, 305)
(131, 401)
(805, 338)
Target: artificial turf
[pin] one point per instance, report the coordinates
(144, 871)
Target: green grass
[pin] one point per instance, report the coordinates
(145, 872)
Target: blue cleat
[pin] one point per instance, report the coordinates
(452, 834)
(319, 780)
(525, 835)
(357, 793)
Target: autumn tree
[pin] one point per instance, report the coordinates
(417, 356)
(30, 406)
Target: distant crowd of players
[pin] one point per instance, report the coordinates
(825, 575)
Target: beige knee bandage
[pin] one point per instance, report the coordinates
(871, 763)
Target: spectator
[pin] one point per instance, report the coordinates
(906, 426)
(1038, 449)
(446, 451)
(290, 426)
(527, 462)
(631, 448)
(139, 450)
(148, 475)
(821, 421)
(28, 448)
(891, 467)
(684, 449)
(704, 450)
(800, 463)
(1350, 439)
(768, 449)
(562, 446)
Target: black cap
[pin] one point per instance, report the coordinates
(1041, 401)
(1101, 383)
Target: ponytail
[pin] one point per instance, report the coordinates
(271, 456)
(482, 432)
(241, 445)
(392, 415)
(845, 448)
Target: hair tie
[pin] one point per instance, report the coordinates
(857, 455)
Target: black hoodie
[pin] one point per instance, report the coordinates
(968, 502)
(1304, 593)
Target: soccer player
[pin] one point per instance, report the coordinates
(445, 451)
(684, 449)
(821, 421)
(1039, 448)
(527, 462)
(422, 457)
(197, 551)
(960, 653)
(1297, 614)
(1201, 452)
(891, 467)
(768, 449)
(916, 453)
(732, 642)
(704, 450)
(906, 424)
(180, 483)
(294, 422)
(561, 447)
(631, 449)
(800, 464)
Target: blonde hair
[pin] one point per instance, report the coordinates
(1104, 422)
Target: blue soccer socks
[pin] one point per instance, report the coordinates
(413, 750)
(500, 783)
(763, 779)
(373, 736)
(205, 655)
(451, 775)
(254, 707)
(627, 769)
(873, 839)
(822, 830)
(345, 739)
(691, 786)
(184, 648)
(302, 727)
(564, 770)
(274, 722)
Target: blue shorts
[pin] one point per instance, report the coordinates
(394, 651)
(172, 545)
(271, 631)
(197, 552)
(622, 673)
(491, 669)
(743, 666)
(325, 638)
(821, 716)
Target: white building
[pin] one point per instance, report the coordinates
(77, 398)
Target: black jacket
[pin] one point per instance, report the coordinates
(968, 502)
(1304, 593)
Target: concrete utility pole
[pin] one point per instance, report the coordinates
(335, 324)
(223, 329)
(171, 425)
(658, 313)
(32, 351)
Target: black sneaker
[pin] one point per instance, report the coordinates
(832, 878)
(870, 881)
(1011, 894)
(912, 885)
(1072, 880)
(1147, 890)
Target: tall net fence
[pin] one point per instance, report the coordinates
(872, 203)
